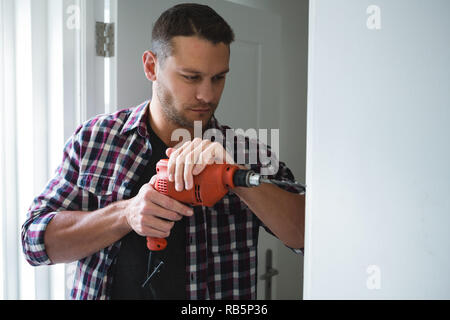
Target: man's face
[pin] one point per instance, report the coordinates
(190, 82)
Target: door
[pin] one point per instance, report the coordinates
(252, 91)
(378, 155)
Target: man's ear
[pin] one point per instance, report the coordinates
(149, 61)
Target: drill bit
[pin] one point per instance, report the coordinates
(250, 178)
(296, 184)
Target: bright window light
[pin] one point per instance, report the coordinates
(35, 75)
(24, 134)
(2, 178)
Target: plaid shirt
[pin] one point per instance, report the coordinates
(98, 167)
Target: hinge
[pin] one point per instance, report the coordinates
(104, 39)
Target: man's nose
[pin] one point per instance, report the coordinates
(205, 91)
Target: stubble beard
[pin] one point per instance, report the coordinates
(171, 113)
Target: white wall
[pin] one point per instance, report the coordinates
(378, 172)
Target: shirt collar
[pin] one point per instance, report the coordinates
(137, 120)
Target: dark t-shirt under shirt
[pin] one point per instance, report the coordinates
(130, 269)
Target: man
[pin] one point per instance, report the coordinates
(100, 206)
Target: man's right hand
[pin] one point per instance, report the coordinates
(153, 214)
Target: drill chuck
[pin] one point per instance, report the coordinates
(246, 178)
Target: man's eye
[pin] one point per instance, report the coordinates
(191, 78)
(217, 78)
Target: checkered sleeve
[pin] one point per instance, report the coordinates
(60, 193)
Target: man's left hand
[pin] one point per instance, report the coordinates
(191, 159)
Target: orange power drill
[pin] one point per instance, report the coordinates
(210, 186)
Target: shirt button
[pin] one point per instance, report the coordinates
(190, 240)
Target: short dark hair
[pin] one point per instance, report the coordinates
(188, 19)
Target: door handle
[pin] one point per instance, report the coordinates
(267, 276)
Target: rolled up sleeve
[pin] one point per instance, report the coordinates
(33, 239)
